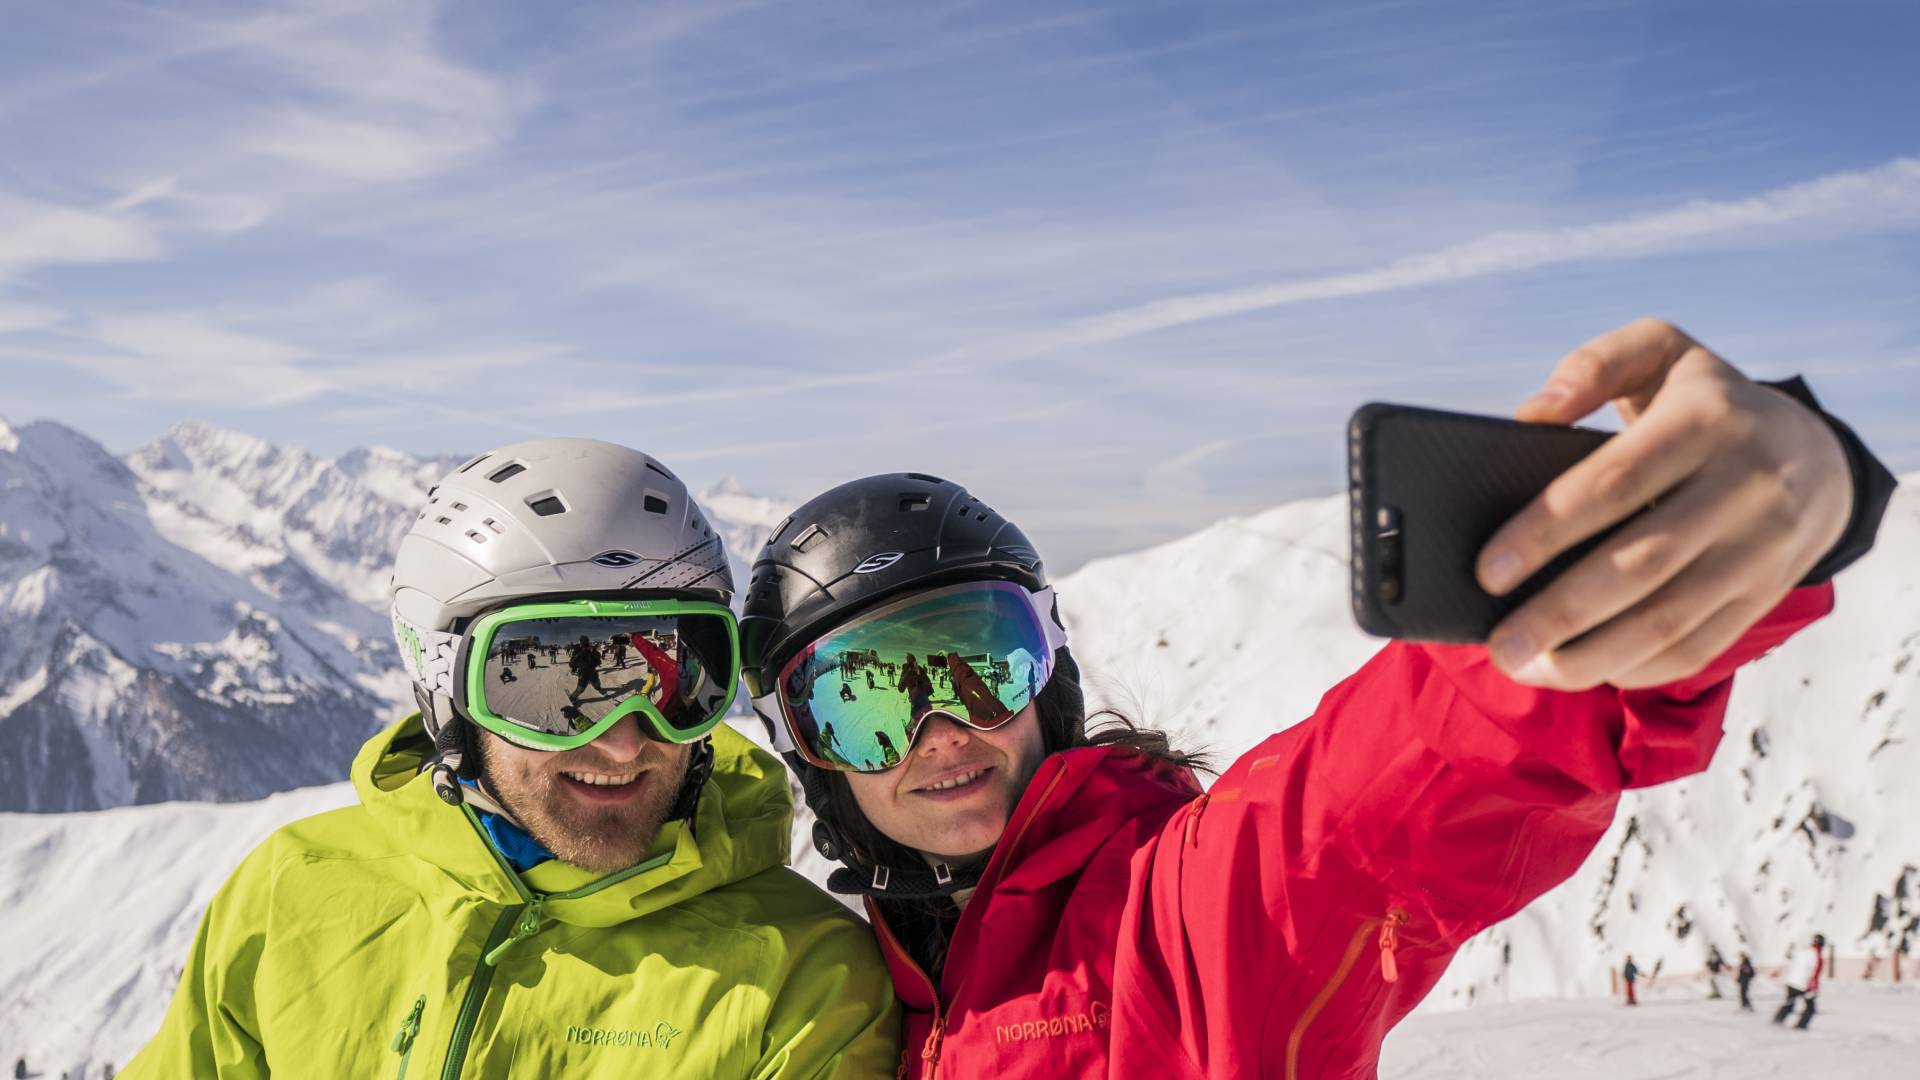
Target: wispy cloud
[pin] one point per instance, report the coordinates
(1882, 198)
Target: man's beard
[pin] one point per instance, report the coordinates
(600, 839)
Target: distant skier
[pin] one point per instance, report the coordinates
(1715, 965)
(1744, 976)
(917, 686)
(1803, 981)
(1628, 974)
(583, 660)
(846, 691)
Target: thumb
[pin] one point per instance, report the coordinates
(1628, 363)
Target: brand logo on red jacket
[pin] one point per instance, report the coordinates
(1096, 1018)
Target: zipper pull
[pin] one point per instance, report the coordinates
(930, 1053)
(1389, 941)
(526, 927)
(410, 1027)
(1193, 816)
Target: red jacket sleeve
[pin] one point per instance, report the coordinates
(1427, 798)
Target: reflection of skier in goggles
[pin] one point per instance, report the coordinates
(1079, 890)
(583, 660)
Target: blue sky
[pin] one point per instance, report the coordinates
(1124, 269)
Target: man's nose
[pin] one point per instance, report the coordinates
(623, 742)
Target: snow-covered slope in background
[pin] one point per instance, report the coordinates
(1806, 820)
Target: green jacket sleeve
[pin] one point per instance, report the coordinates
(834, 1013)
(210, 1029)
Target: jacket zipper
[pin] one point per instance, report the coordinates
(1388, 940)
(477, 993)
(930, 1051)
(409, 1028)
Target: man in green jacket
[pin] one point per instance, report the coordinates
(533, 885)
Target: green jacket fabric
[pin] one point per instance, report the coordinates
(356, 943)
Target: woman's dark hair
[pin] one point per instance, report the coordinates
(875, 847)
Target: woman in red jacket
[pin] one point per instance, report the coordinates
(1055, 902)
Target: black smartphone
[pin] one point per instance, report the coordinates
(1429, 488)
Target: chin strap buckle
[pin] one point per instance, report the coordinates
(942, 874)
(881, 876)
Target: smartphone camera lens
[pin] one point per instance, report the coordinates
(1386, 554)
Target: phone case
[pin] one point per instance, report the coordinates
(1428, 489)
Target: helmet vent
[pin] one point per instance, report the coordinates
(459, 506)
(911, 501)
(778, 529)
(508, 472)
(443, 520)
(476, 536)
(661, 469)
(809, 538)
(494, 525)
(925, 477)
(655, 504)
(547, 503)
(475, 461)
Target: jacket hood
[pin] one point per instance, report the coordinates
(741, 827)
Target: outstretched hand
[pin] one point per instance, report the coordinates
(1751, 490)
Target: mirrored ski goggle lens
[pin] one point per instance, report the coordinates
(857, 696)
(562, 675)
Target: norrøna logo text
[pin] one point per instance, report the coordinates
(1096, 1018)
(879, 562)
(661, 1036)
(616, 559)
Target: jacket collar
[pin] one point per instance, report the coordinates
(741, 827)
(1077, 801)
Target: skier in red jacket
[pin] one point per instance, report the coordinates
(1059, 902)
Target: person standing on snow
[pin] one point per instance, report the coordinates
(513, 897)
(1743, 977)
(1629, 974)
(1803, 981)
(1715, 965)
(1055, 901)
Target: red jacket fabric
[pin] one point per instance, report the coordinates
(1281, 923)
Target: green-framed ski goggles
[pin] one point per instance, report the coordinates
(555, 675)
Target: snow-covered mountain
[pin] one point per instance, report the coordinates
(205, 618)
(1804, 821)
(134, 669)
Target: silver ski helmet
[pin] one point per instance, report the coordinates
(544, 518)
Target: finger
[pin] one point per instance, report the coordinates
(1634, 563)
(1689, 655)
(1629, 471)
(1641, 633)
(1625, 363)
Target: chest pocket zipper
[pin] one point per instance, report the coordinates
(409, 1030)
(1388, 927)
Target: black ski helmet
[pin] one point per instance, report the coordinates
(856, 546)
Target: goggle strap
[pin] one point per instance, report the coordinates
(428, 656)
(782, 738)
(1045, 603)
